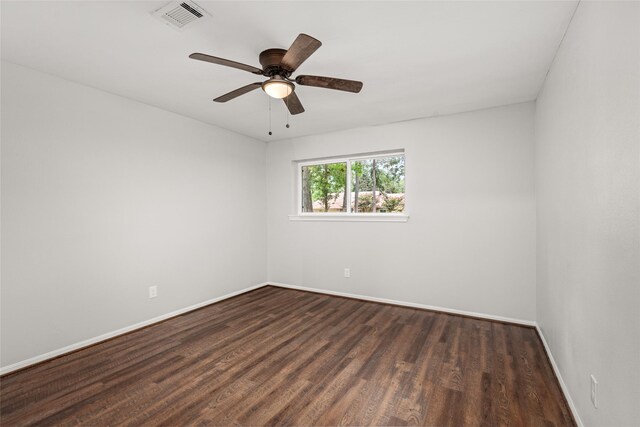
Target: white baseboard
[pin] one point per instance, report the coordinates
(408, 304)
(565, 390)
(94, 340)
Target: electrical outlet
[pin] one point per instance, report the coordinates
(347, 272)
(153, 291)
(594, 392)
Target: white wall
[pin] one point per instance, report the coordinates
(587, 179)
(103, 197)
(470, 241)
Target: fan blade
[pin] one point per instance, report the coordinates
(330, 83)
(293, 104)
(236, 93)
(225, 62)
(302, 48)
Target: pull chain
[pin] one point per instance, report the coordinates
(269, 115)
(287, 100)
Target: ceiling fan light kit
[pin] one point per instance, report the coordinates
(278, 65)
(277, 87)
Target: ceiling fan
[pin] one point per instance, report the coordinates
(278, 65)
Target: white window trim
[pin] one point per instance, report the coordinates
(346, 216)
(349, 217)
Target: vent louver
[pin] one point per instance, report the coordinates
(180, 14)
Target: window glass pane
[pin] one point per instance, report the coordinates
(379, 179)
(323, 188)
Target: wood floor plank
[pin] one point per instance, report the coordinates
(276, 356)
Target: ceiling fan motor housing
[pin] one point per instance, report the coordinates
(270, 60)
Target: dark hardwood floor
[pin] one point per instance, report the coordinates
(283, 357)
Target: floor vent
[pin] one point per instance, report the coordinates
(180, 14)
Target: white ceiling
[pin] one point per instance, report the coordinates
(416, 59)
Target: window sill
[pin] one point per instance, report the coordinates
(350, 217)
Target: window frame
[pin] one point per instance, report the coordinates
(348, 215)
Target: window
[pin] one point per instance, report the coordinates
(370, 185)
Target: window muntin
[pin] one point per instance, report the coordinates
(350, 185)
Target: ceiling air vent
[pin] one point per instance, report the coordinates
(180, 14)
